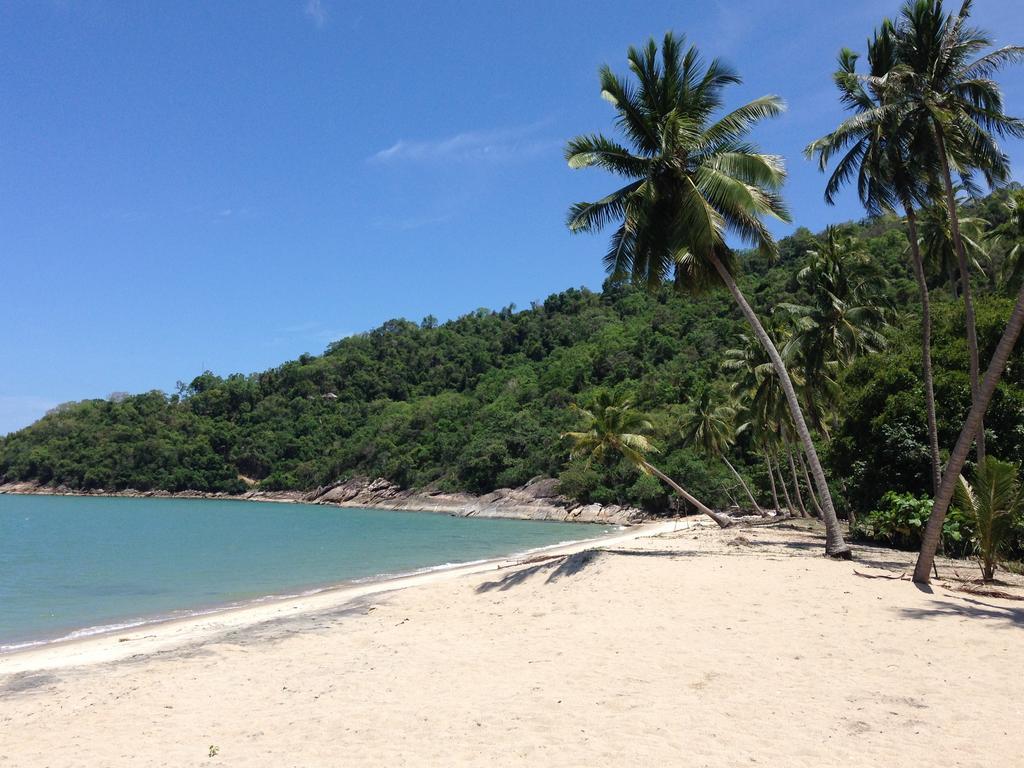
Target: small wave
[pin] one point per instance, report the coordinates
(78, 634)
(101, 629)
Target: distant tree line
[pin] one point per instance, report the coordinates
(481, 402)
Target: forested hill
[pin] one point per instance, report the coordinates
(480, 402)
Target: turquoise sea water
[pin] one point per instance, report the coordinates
(74, 565)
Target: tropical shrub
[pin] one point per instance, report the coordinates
(899, 520)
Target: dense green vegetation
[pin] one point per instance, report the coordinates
(927, 113)
(926, 116)
(480, 402)
(471, 404)
(695, 185)
(848, 347)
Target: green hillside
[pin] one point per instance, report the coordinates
(480, 402)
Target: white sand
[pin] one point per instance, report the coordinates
(680, 650)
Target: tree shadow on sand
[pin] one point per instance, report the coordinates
(768, 547)
(560, 566)
(974, 609)
(864, 554)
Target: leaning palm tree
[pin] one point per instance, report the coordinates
(943, 88)
(991, 505)
(767, 411)
(756, 387)
(877, 148)
(691, 180)
(958, 457)
(712, 428)
(611, 426)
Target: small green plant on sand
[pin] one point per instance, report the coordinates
(992, 504)
(214, 749)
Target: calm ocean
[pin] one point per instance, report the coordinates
(71, 566)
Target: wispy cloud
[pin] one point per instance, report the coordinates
(405, 224)
(203, 212)
(498, 145)
(316, 11)
(732, 28)
(313, 332)
(17, 411)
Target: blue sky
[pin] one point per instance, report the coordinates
(206, 184)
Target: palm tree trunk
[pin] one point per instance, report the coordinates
(810, 486)
(812, 406)
(732, 499)
(785, 491)
(771, 479)
(965, 287)
(835, 546)
(723, 521)
(796, 483)
(933, 530)
(926, 348)
(757, 507)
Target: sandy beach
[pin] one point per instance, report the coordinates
(700, 647)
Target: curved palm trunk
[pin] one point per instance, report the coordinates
(851, 516)
(835, 546)
(771, 479)
(785, 491)
(965, 287)
(723, 521)
(757, 507)
(796, 483)
(926, 348)
(933, 531)
(732, 499)
(810, 486)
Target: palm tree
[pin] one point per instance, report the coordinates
(780, 477)
(933, 530)
(712, 428)
(807, 482)
(844, 319)
(756, 388)
(884, 155)
(612, 426)
(1012, 230)
(755, 383)
(795, 478)
(943, 88)
(939, 250)
(771, 480)
(997, 500)
(691, 181)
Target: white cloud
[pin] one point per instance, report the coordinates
(316, 11)
(495, 145)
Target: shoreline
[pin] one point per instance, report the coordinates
(537, 500)
(522, 665)
(159, 635)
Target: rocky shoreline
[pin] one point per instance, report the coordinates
(537, 500)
